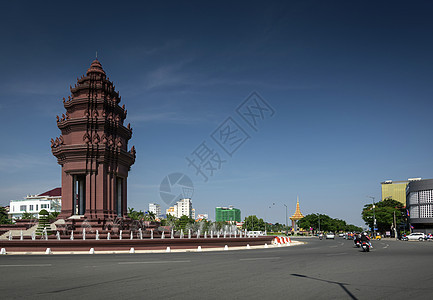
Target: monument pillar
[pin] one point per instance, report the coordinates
(93, 149)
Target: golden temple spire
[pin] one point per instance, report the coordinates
(297, 215)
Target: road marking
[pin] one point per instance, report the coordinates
(39, 265)
(387, 245)
(333, 254)
(259, 258)
(153, 262)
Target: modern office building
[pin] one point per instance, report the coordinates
(183, 207)
(155, 208)
(50, 201)
(420, 205)
(227, 214)
(396, 190)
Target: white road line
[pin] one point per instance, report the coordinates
(259, 258)
(333, 254)
(387, 245)
(153, 262)
(39, 265)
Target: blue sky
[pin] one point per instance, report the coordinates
(350, 83)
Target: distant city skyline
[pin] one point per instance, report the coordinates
(347, 88)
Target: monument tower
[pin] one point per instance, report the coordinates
(93, 149)
(296, 216)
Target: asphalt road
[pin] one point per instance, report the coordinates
(320, 269)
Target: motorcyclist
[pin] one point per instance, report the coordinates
(365, 238)
(356, 239)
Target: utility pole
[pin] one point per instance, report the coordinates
(395, 225)
(374, 217)
(287, 222)
(319, 221)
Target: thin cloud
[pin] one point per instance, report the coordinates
(17, 163)
(177, 75)
(172, 117)
(45, 88)
(168, 75)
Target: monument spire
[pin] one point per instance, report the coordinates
(93, 149)
(297, 215)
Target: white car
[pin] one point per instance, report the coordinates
(330, 235)
(414, 236)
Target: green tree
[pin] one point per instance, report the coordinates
(149, 216)
(44, 223)
(135, 215)
(53, 215)
(4, 216)
(252, 223)
(326, 223)
(27, 216)
(183, 221)
(384, 213)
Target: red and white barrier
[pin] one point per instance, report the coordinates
(280, 240)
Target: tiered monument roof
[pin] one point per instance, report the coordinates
(297, 215)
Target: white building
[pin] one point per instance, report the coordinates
(202, 217)
(155, 208)
(183, 207)
(50, 201)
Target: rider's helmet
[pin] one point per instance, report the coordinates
(364, 233)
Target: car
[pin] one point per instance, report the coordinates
(341, 234)
(414, 236)
(330, 235)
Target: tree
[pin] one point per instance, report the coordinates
(384, 213)
(326, 223)
(27, 216)
(53, 215)
(4, 216)
(135, 215)
(150, 216)
(252, 223)
(183, 221)
(44, 223)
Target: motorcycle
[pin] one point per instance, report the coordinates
(357, 243)
(320, 236)
(365, 246)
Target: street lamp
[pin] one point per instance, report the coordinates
(318, 215)
(374, 217)
(266, 222)
(287, 222)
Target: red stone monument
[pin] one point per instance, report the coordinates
(93, 149)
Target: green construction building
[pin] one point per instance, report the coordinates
(227, 214)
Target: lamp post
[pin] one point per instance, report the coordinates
(318, 215)
(266, 222)
(374, 217)
(287, 222)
